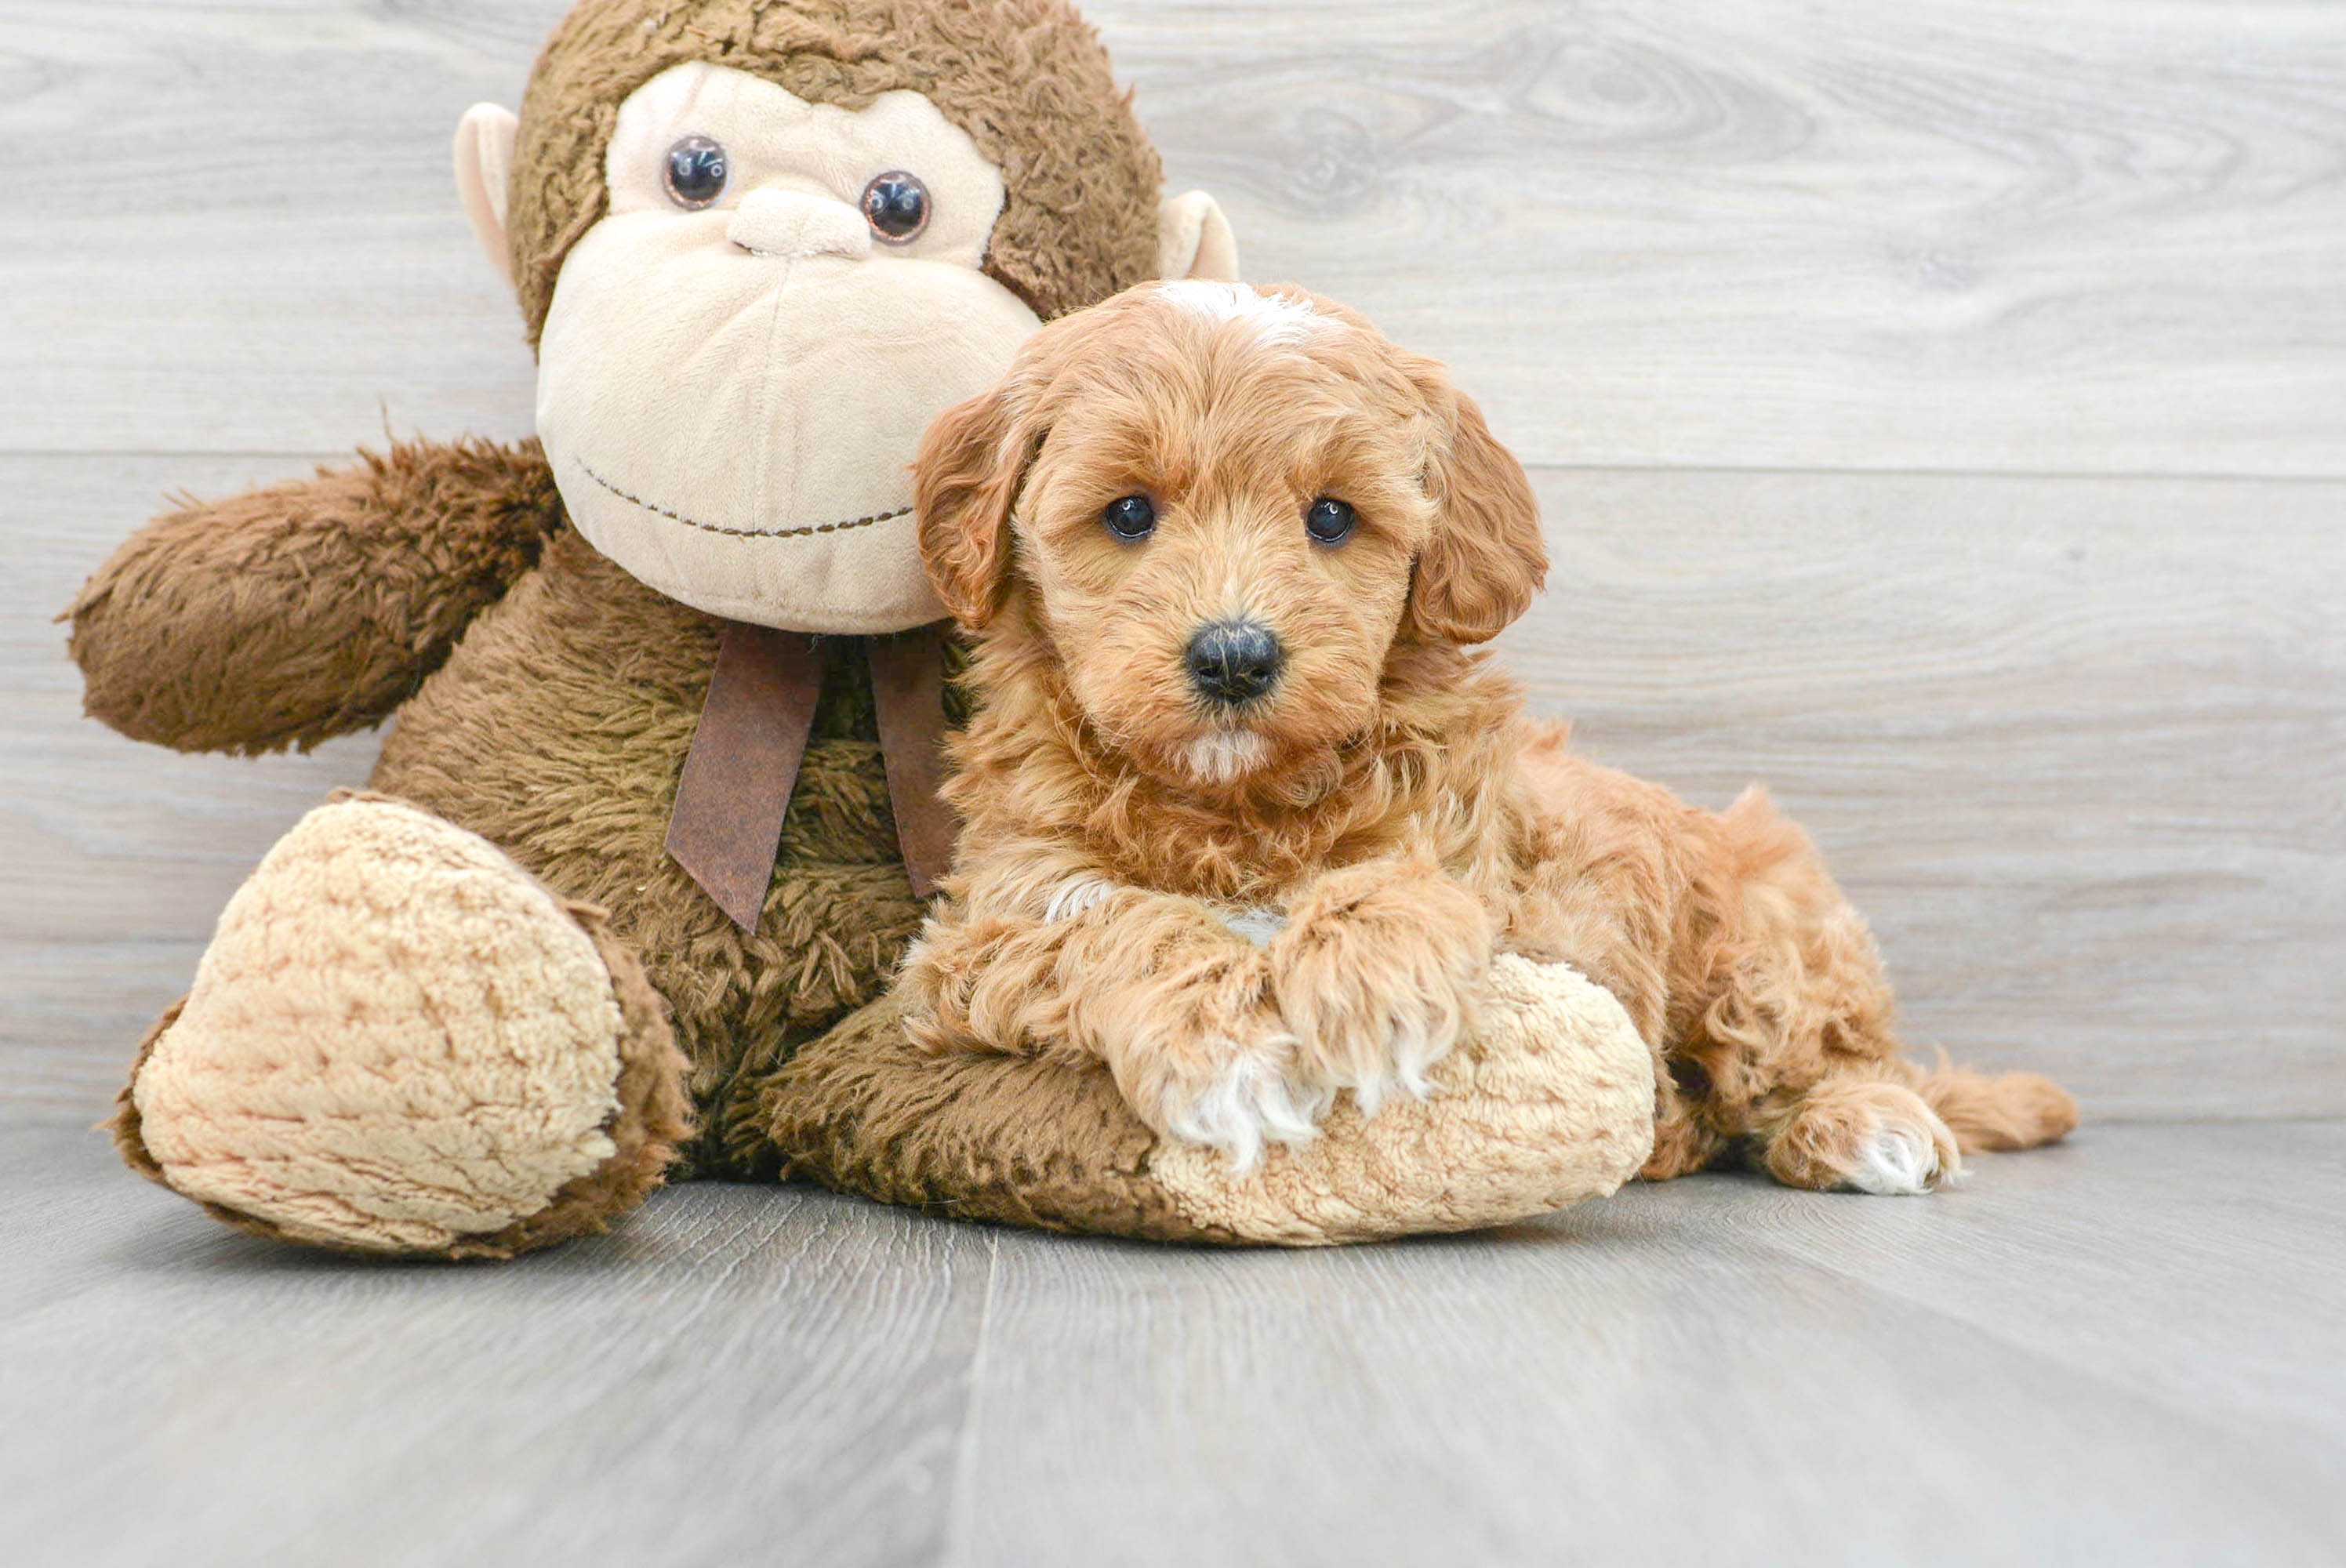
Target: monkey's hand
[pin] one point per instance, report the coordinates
(1377, 972)
(291, 614)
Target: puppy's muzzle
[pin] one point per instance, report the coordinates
(1234, 662)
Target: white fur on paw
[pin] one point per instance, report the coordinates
(1417, 1037)
(1251, 1101)
(1896, 1162)
(1077, 895)
(1258, 925)
(1419, 1041)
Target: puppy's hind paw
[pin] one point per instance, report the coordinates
(1249, 1102)
(1864, 1136)
(1899, 1161)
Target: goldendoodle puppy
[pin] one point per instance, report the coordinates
(1244, 817)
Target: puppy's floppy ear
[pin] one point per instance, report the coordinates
(963, 482)
(1484, 561)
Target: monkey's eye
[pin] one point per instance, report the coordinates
(1130, 518)
(1329, 521)
(896, 205)
(696, 173)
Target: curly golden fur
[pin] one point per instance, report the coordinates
(1386, 798)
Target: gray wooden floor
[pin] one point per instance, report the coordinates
(2130, 1351)
(1940, 412)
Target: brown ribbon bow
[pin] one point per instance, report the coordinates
(744, 762)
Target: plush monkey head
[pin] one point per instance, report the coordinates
(762, 243)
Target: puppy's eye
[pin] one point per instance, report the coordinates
(1130, 517)
(896, 205)
(1329, 521)
(696, 172)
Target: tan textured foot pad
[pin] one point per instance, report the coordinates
(1550, 1103)
(399, 1041)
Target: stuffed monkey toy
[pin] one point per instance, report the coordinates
(658, 814)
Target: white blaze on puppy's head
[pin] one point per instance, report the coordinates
(1277, 318)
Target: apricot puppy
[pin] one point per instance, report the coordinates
(1244, 817)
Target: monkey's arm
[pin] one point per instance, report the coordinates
(287, 615)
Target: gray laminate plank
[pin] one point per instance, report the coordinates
(68, 998)
(2073, 744)
(247, 238)
(1713, 1371)
(2203, 1269)
(2094, 235)
(102, 839)
(746, 1374)
(2110, 1352)
(2081, 236)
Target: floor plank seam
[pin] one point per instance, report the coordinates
(961, 1501)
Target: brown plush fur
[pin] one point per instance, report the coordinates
(1389, 794)
(292, 615)
(558, 732)
(1051, 1145)
(1026, 78)
(543, 698)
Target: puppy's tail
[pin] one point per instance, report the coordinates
(2003, 1111)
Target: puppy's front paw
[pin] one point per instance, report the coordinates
(1210, 1062)
(1378, 973)
(1250, 1097)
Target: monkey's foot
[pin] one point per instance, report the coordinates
(400, 1042)
(1548, 1102)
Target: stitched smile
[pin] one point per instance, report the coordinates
(738, 533)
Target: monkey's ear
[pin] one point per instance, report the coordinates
(1194, 240)
(1484, 561)
(965, 482)
(485, 152)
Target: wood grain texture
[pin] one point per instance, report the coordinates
(2094, 235)
(102, 839)
(2073, 744)
(2125, 1350)
(2085, 236)
(748, 1376)
(1705, 1371)
(2076, 746)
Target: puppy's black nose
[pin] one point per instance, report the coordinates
(1233, 662)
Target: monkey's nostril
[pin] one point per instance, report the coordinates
(1233, 662)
